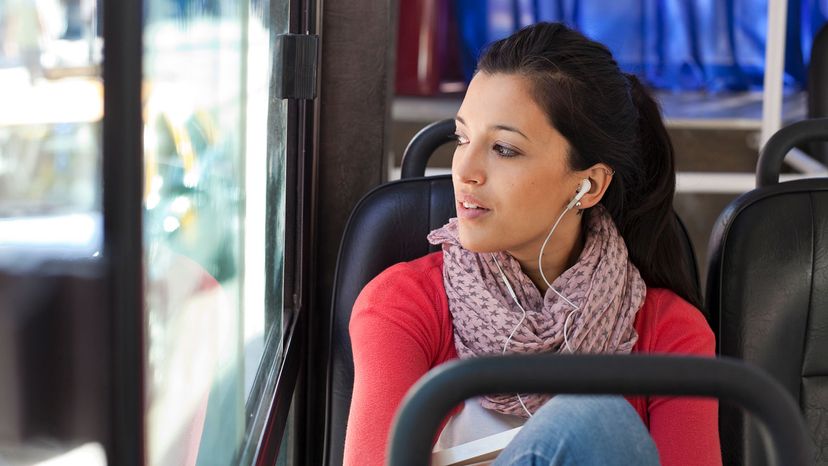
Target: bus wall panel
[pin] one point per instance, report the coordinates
(357, 62)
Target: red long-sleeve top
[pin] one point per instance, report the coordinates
(401, 327)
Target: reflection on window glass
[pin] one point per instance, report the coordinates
(50, 123)
(206, 148)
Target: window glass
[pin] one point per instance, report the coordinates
(213, 190)
(50, 124)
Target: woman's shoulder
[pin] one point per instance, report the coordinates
(408, 302)
(667, 323)
(424, 271)
(405, 288)
(430, 265)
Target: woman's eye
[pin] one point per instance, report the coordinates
(460, 139)
(504, 151)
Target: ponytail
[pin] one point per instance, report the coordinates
(650, 227)
(607, 117)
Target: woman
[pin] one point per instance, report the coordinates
(552, 140)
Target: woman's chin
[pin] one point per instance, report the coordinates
(477, 243)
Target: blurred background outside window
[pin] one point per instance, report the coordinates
(50, 124)
(207, 70)
(214, 151)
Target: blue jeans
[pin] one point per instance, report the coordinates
(582, 430)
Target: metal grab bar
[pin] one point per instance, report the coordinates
(425, 405)
(423, 144)
(778, 146)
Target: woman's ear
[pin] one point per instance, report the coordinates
(600, 177)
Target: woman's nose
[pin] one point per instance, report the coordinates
(468, 166)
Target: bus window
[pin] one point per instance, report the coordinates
(50, 119)
(207, 192)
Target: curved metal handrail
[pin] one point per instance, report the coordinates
(425, 405)
(423, 144)
(778, 146)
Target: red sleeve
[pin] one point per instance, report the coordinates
(685, 430)
(397, 336)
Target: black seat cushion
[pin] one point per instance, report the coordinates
(767, 296)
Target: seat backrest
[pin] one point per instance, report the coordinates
(767, 292)
(387, 226)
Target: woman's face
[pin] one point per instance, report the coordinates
(512, 163)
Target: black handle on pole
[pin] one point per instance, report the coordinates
(778, 146)
(425, 405)
(423, 144)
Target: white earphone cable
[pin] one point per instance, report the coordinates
(540, 261)
(514, 297)
(523, 317)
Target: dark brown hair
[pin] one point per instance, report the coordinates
(607, 117)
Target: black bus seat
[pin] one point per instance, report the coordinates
(767, 290)
(389, 225)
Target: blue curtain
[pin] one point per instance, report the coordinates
(713, 45)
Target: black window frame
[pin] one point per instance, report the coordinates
(123, 28)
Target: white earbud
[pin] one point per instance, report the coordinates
(584, 188)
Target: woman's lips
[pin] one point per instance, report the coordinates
(468, 214)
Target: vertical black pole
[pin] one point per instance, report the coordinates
(122, 207)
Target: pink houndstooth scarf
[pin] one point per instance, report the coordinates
(604, 284)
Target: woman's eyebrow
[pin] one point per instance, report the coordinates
(512, 129)
(497, 127)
